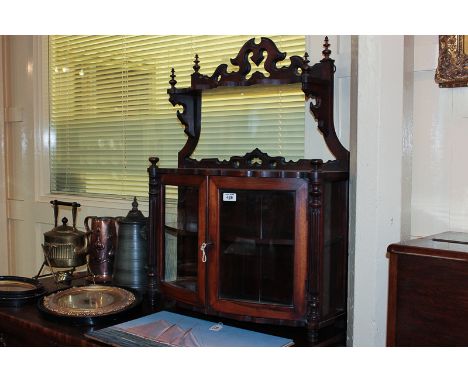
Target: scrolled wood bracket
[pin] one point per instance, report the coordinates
(190, 117)
(318, 85)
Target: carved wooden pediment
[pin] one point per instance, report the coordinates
(265, 52)
(256, 160)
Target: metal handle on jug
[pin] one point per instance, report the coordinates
(88, 229)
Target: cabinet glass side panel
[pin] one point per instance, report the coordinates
(181, 236)
(257, 231)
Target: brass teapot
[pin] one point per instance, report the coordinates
(65, 246)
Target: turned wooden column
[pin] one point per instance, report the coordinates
(153, 227)
(315, 250)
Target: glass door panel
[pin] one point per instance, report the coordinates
(181, 236)
(256, 234)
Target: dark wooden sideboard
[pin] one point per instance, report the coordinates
(26, 325)
(428, 291)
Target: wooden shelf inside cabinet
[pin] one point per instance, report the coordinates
(273, 250)
(179, 232)
(258, 241)
(186, 283)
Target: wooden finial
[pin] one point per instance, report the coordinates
(152, 170)
(196, 67)
(326, 52)
(172, 82)
(153, 161)
(306, 58)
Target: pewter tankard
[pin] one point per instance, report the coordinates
(102, 247)
(131, 258)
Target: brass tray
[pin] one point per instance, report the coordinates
(88, 304)
(15, 290)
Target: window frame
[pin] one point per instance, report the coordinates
(5, 262)
(42, 139)
(42, 143)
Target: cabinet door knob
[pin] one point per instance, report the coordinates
(203, 251)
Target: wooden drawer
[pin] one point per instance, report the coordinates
(428, 293)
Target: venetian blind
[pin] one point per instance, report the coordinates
(109, 109)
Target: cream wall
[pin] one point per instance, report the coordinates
(29, 213)
(376, 192)
(440, 152)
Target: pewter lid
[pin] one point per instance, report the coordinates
(134, 215)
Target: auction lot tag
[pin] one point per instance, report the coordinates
(229, 197)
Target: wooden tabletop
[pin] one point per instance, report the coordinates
(448, 244)
(27, 326)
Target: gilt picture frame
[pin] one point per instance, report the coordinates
(452, 68)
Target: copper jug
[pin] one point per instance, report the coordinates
(102, 246)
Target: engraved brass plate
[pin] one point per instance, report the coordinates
(15, 290)
(16, 286)
(89, 301)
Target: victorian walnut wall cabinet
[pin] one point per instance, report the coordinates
(428, 291)
(254, 238)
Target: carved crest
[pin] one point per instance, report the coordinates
(256, 159)
(266, 51)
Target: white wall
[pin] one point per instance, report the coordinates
(29, 213)
(440, 138)
(376, 183)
